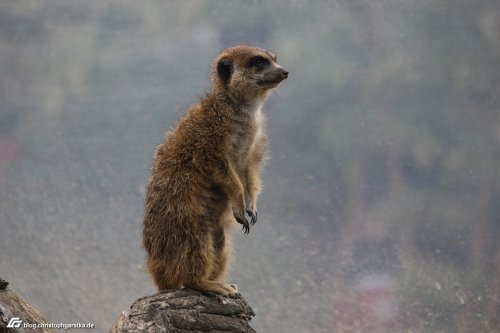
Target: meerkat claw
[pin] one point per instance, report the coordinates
(243, 221)
(253, 216)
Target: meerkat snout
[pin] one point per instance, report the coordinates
(268, 73)
(272, 78)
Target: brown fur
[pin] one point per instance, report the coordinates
(205, 175)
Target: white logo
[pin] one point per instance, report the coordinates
(14, 322)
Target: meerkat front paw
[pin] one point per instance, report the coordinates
(253, 215)
(241, 219)
(251, 209)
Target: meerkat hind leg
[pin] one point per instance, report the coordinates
(212, 286)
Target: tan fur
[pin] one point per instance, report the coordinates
(205, 175)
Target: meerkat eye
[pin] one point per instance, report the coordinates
(259, 61)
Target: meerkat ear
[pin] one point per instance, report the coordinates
(225, 70)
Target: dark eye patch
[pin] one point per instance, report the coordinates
(259, 61)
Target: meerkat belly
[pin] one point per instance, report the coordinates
(240, 147)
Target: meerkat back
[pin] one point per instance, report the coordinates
(205, 175)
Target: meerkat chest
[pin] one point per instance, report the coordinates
(246, 136)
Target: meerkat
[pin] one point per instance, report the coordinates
(205, 175)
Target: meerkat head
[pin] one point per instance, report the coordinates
(246, 73)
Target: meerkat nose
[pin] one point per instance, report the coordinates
(284, 73)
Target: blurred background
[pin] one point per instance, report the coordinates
(380, 210)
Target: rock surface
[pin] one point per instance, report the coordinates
(185, 311)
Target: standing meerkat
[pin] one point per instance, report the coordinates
(205, 175)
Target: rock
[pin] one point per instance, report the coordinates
(185, 311)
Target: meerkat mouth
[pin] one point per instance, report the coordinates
(269, 83)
